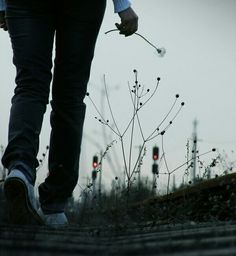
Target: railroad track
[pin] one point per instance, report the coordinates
(190, 239)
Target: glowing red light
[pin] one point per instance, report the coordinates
(155, 157)
(155, 153)
(95, 162)
(95, 165)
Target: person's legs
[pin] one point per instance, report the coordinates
(31, 28)
(78, 24)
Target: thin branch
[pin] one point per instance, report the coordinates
(141, 93)
(124, 158)
(132, 118)
(163, 120)
(109, 105)
(165, 161)
(157, 85)
(139, 123)
(131, 95)
(167, 127)
(140, 108)
(103, 121)
(174, 170)
(182, 104)
(138, 158)
(185, 163)
(132, 132)
(145, 39)
(96, 108)
(140, 128)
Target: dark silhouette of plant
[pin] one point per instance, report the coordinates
(140, 97)
(42, 160)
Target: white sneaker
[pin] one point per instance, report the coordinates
(54, 220)
(21, 200)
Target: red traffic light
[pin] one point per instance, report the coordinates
(95, 162)
(155, 153)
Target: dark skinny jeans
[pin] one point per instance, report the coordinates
(33, 26)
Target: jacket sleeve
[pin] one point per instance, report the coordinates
(120, 5)
(2, 5)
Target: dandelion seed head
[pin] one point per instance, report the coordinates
(87, 94)
(213, 150)
(148, 90)
(135, 71)
(158, 79)
(182, 104)
(171, 122)
(161, 51)
(177, 95)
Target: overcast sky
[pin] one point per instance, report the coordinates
(200, 64)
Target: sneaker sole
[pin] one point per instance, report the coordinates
(20, 209)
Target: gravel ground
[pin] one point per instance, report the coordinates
(168, 240)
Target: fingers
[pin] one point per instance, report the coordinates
(3, 26)
(129, 22)
(3, 23)
(127, 28)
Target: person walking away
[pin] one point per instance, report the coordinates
(33, 26)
